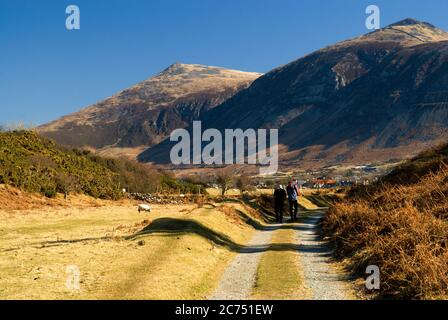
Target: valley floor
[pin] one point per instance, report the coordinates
(223, 250)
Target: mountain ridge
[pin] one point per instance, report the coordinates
(355, 101)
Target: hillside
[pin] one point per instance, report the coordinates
(401, 225)
(39, 165)
(412, 171)
(36, 164)
(146, 113)
(377, 97)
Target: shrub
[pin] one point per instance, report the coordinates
(36, 164)
(401, 228)
(48, 191)
(244, 183)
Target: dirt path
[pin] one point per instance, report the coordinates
(322, 281)
(239, 277)
(321, 278)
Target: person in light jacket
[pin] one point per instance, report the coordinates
(293, 198)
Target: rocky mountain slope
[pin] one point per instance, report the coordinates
(146, 113)
(380, 96)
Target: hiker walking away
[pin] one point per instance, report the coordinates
(279, 202)
(293, 197)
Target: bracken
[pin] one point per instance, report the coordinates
(401, 227)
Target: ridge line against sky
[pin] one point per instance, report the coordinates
(48, 71)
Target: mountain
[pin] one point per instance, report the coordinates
(379, 96)
(146, 113)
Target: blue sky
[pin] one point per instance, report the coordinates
(47, 71)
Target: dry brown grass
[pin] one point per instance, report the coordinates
(12, 199)
(174, 252)
(403, 229)
(231, 214)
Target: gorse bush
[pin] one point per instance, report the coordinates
(36, 164)
(183, 186)
(400, 225)
(132, 176)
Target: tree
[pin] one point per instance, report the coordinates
(224, 179)
(270, 183)
(243, 183)
(66, 184)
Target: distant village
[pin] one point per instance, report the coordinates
(360, 175)
(331, 177)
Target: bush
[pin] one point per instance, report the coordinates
(244, 183)
(401, 228)
(49, 192)
(36, 164)
(182, 186)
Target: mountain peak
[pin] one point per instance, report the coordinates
(407, 32)
(411, 22)
(176, 68)
(182, 68)
(149, 111)
(202, 71)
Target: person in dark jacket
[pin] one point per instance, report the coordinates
(293, 199)
(279, 203)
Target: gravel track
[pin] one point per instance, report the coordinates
(239, 277)
(323, 280)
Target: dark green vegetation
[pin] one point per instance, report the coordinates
(36, 164)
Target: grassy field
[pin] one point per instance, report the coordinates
(176, 252)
